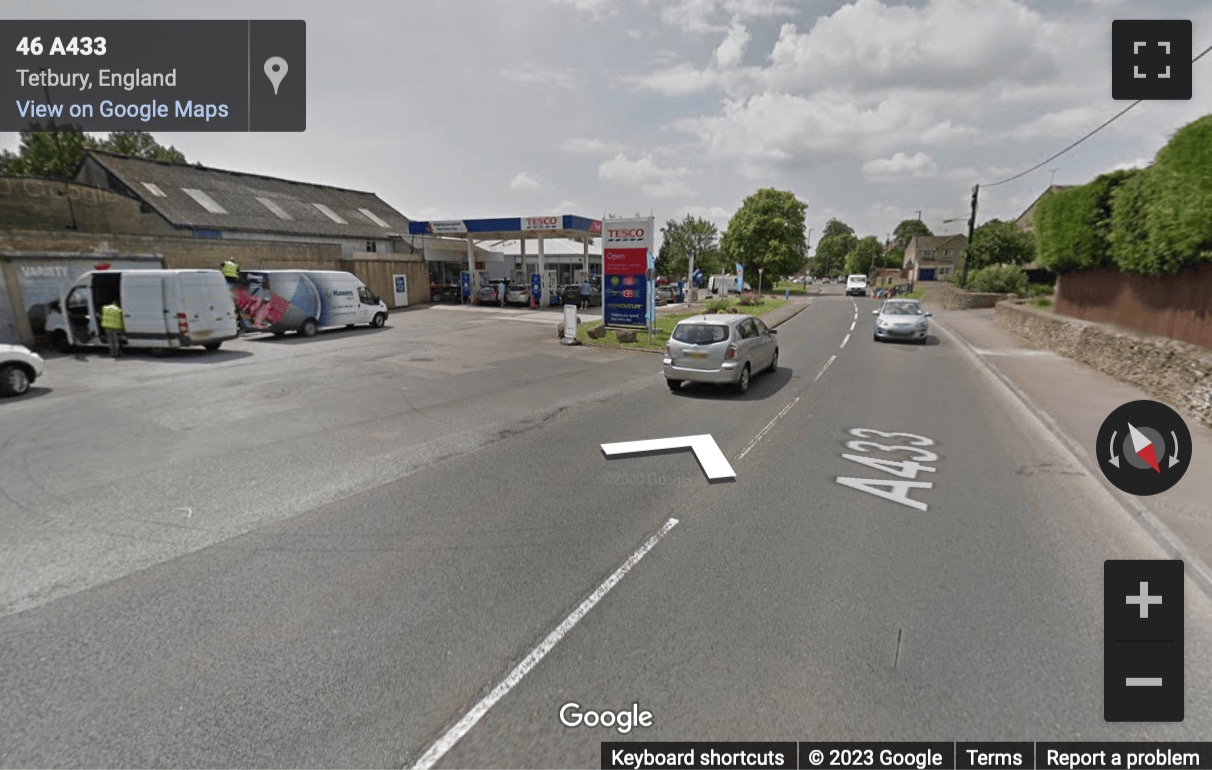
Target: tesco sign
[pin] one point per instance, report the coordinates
(634, 234)
(541, 223)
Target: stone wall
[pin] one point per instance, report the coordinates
(958, 299)
(1172, 371)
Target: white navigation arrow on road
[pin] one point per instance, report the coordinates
(715, 465)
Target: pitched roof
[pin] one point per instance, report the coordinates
(935, 241)
(193, 196)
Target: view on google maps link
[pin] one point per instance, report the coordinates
(590, 384)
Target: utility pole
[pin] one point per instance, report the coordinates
(919, 216)
(976, 188)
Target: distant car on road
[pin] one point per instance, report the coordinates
(901, 319)
(20, 367)
(721, 350)
(666, 294)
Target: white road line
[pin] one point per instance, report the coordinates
(452, 736)
(766, 430)
(844, 341)
(852, 323)
(826, 366)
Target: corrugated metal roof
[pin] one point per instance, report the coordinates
(252, 203)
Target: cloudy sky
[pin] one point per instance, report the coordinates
(869, 111)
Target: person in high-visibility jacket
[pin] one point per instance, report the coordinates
(112, 323)
(231, 271)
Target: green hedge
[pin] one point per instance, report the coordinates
(1154, 221)
(1130, 246)
(999, 279)
(1178, 211)
(1072, 227)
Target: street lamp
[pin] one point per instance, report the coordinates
(760, 281)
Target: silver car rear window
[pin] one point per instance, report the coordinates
(700, 334)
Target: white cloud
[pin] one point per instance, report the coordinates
(952, 44)
(635, 34)
(1138, 163)
(732, 49)
(596, 8)
(532, 73)
(524, 181)
(679, 80)
(711, 16)
(577, 145)
(901, 165)
(644, 173)
(776, 128)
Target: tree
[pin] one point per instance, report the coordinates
(997, 242)
(836, 226)
(49, 154)
(59, 153)
(908, 228)
(767, 232)
(831, 253)
(140, 144)
(864, 256)
(895, 258)
(692, 237)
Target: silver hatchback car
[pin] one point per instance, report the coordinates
(721, 350)
(901, 319)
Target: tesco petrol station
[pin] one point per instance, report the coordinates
(627, 259)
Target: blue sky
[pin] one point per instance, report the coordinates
(868, 110)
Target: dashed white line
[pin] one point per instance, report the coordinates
(766, 430)
(852, 323)
(844, 341)
(452, 736)
(826, 366)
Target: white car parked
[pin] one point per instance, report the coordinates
(20, 367)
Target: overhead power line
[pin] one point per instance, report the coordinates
(1106, 123)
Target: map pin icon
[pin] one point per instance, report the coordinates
(275, 70)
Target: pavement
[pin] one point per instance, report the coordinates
(1073, 400)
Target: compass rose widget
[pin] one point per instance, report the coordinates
(1144, 448)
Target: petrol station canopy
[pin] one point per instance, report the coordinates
(564, 226)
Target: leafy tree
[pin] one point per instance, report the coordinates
(836, 226)
(908, 228)
(895, 258)
(864, 256)
(997, 242)
(692, 237)
(767, 232)
(831, 253)
(140, 144)
(59, 153)
(49, 154)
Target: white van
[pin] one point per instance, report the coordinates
(856, 286)
(724, 284)
(279, 301)
(160, 309)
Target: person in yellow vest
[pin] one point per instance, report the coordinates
(112, 323)
(231, 271)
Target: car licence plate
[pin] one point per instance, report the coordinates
(698, 356)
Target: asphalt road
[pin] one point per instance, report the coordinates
(334, 552)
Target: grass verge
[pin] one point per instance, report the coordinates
(664, 327)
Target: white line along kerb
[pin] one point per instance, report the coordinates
(452, 736)
(715, 465)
